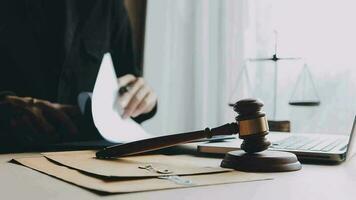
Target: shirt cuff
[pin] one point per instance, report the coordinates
(146, 116)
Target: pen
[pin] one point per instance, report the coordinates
(126, 88)
(123, 89)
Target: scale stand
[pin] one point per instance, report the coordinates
(275, 125)
(304, 93)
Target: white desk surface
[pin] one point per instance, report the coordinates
(314, 182)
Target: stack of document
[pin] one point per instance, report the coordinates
(128, 174)
(135, 173)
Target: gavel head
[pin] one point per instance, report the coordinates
(253, 125)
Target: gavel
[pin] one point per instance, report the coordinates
(251, 125)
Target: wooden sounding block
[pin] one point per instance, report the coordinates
(253, 129)
(266, 161)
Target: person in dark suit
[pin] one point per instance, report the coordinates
(50, 51)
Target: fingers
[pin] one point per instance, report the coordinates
(68, 109)
(31, 127)
(146, 105)
(38, 121)
(136, 100)
(127, 97)
(32, 115)
(34, 134)
(126, 80)
(58, 115)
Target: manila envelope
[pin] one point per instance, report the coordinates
(134, 166)
(122, 185)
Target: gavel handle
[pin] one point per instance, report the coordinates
(155, 143)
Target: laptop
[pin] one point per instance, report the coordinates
(307, 147)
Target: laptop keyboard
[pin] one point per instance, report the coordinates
(309, 143)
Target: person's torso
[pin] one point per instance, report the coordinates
(53, 50)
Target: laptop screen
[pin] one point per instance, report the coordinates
(351, 145)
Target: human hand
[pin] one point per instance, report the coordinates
(38, 121)
(138, 99)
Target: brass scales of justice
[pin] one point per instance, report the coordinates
(304, 86)
(252, 127)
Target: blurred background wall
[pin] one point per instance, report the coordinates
(195, 53)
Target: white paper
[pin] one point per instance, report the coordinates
(106, 108)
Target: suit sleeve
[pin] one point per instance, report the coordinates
(7, 8)
(122, 49)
